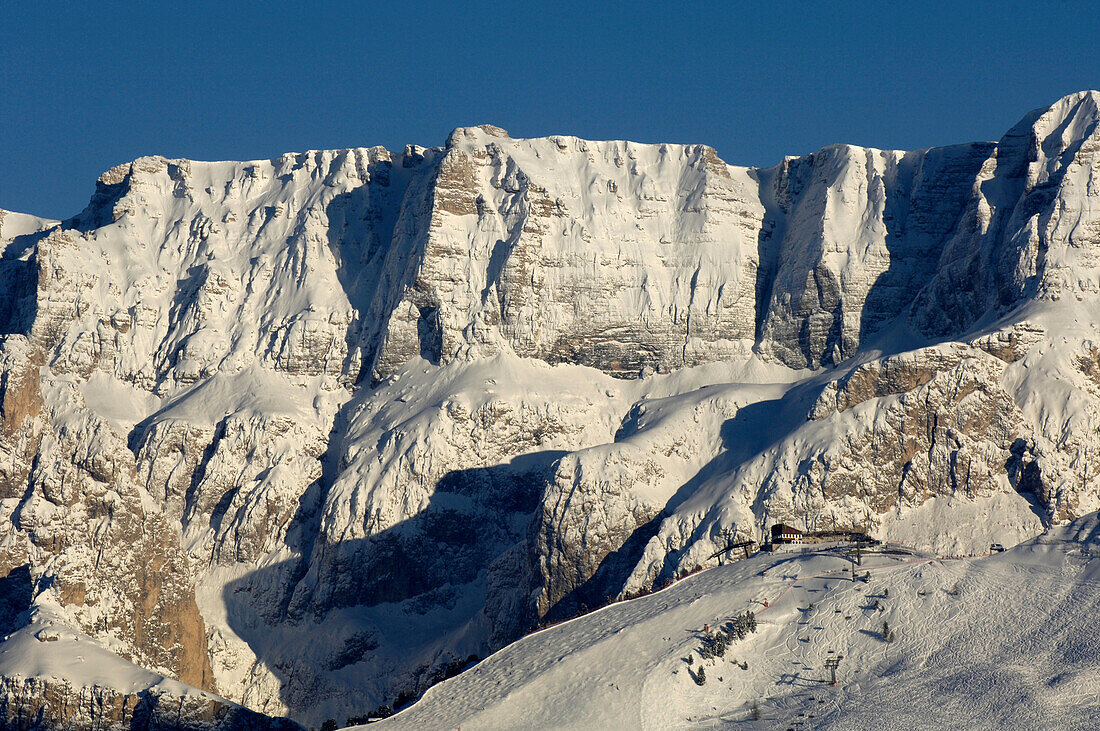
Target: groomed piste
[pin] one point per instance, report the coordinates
(1004, 641)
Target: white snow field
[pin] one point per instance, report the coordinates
(1006, 641)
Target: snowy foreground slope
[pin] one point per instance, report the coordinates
(309, 433)
(1009, 641)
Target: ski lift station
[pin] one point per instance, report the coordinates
(782, 534)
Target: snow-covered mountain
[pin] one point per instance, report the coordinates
(310, 432)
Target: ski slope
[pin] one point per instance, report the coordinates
(1007, 641)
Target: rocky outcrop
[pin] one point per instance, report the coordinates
(949, 431)
(36, 703)
(81, 519)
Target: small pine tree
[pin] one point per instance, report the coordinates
(329, 725)
(701, 676)
(714, 645)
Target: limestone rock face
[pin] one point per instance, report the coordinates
(861, 233)
(313, 431)
(75, 513)
(625, 257)
(36, 703)
(1029, 230)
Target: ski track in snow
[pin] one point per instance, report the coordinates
(953, 663)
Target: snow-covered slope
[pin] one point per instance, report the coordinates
(1008, 641)
(309, 432)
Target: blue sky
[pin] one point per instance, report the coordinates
(87, 86)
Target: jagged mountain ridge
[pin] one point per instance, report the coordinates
(302, 381)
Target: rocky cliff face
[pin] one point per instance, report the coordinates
(36, 703)
(310, 432)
